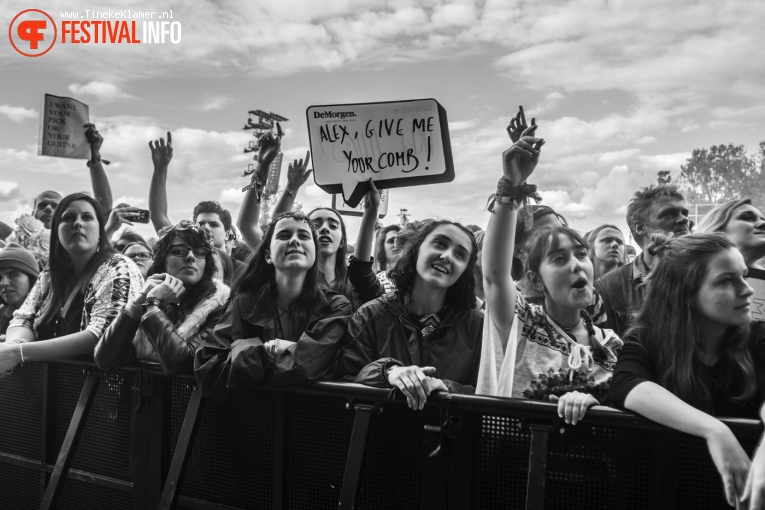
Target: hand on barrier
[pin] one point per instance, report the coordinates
(754, 492)
(162, 154)
(731, 462)
(573, 405)
(520, 160)
(298, 173)
(413, 383)
(10, 357)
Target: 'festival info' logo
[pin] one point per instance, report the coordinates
(32, 33)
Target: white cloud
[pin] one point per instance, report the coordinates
(550, 103)
(215, 102)
(9, 190)
(102, 91)
(18, 113)
(460, 125)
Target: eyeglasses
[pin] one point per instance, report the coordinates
(139, 256)
(181, 250)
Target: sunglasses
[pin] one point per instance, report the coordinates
(139, 256)
(180, 250)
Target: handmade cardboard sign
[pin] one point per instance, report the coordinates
(397, 143)
(339, 204)
(756, 280)
(62, 134)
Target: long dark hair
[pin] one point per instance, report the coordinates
(260, 276)
(64, 287)
(461, 295)
(205, 287)
(666, 326)
(380, 256)
(341, 284)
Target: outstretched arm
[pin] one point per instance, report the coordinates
(518, 162)
(249, 213)
(365, 240)
(101, 189)
(161, 155)
(296, 177)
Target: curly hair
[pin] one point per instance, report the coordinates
(194, 236)
(260, 276)
(668, 313)
(461, 295)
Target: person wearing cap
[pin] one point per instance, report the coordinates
(18, 273)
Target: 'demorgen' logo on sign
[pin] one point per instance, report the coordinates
(33, 32)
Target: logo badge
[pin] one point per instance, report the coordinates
(32, 33)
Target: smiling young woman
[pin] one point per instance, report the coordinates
(425, 336)
(281, 328)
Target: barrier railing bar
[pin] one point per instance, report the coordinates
(19, 460)
(537, 478)
(280, 454)
(201, 504)
(76, 474)
(73, 434)
(182, 451)
(151, 440)
(48, 451)
(355, 455)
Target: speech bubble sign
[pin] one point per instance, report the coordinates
(396, 143)
(61, 133)
(339, 204)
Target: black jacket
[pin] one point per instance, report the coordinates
(381, 333)
(234, 355)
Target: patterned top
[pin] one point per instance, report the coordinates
(387, 283)
(542, 359)
(116, 281)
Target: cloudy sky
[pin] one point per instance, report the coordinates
(620, 90)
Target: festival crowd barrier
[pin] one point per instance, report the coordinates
(74, 437)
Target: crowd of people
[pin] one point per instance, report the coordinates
(530, 308)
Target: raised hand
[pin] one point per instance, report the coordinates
(161, 153)
(95, 140)
(297, 173)
(520, 160)
(119, 215)
(268, 147)
(372, 198)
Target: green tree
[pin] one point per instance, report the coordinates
(719, 174)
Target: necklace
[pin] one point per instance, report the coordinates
(568, 330)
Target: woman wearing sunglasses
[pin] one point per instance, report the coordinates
(178, 306)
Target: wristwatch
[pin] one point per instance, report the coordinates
(155, 301)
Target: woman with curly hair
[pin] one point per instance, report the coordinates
(177, 308)
(281, 328)
(692, 354)
(425, 336)
(86, 285)
(552, 350)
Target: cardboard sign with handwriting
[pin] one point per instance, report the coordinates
(62, 134)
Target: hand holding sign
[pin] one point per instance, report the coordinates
(403, 143)
(95, 140)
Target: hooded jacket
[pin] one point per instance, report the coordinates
(382, 333)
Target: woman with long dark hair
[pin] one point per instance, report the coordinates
(281, 326)
(691, 353)
(548, 351)
(77, 297)
(177, 308)
(425, 336)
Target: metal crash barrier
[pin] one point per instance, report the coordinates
(74, 437)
